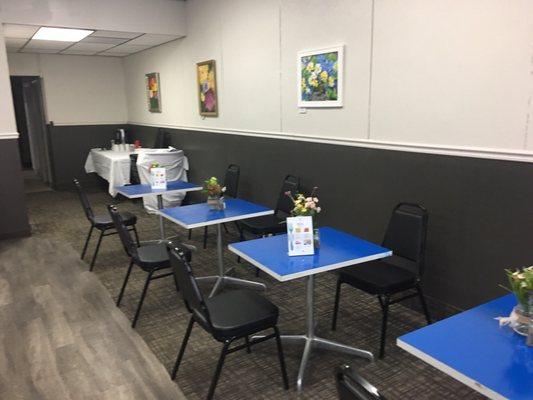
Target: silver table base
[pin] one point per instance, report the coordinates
(221, 279)
(310, 340)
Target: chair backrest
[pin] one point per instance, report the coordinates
(190, 292)
(231, 181)
(351, 386)
(84, 201)
(406, 233)
(290, 184)
(129, 244)
(161, 139)
(134, 172)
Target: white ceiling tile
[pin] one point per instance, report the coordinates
(90, 47)
(15, 43)
(129, 48)
(152, 39)
(111, 54)
(47, 45)
(98, 39)
(48, 51)
(78, 52)
(19, 31)
(116, 34)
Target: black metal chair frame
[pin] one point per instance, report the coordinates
(358, 387)
(205, 322)
(131, 250)
(103, 232)
(230, 192)
(388, 299)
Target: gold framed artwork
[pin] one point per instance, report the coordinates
(153, 92)
(207, 88)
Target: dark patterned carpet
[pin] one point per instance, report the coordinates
(163, 320)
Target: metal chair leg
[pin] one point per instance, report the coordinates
(124, 284)
(214, 381)
(136, 236)
(247, 341)
(190, 234)
(385, 309)
(424, 304)
(336, 305)
(141, 300)
(281, 360)
(205, 237)
(182, 349)
(225, 228)
(87, 242)
(96, 250)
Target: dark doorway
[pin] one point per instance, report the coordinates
(30, 118)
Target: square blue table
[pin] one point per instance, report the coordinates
(144, 190)
(337, 250)
(198, 215)
(472, 348)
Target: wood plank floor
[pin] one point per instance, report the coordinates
(61, 336)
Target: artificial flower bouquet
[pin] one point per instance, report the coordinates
(215, 192)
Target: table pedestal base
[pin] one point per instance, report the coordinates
(221, 279)
(311, 341)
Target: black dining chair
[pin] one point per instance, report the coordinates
(151, 257)
(161, 140)
(387, 278)
(351, 386)
(231, 182)
(227, 317)
(272, 224)
(101, 222)
(134, 171)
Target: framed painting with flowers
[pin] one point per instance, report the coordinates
(153, 91)
(207, 88)
(320, 75)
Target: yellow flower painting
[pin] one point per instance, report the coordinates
(153, 92)
(320, 77)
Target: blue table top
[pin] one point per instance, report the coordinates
(197, 215)
(337, 250)
(142, 190)
(472, 348)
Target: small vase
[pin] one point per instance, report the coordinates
(523, 320)
(316, 238)
(216, 203)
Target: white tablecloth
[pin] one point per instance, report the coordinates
(114, 166)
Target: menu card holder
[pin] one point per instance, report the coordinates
(300, 236)
(159, 178)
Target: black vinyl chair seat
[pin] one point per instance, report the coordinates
(152, 256)
(238, 313)
(378, 277)
(267, 224)
(106, 222)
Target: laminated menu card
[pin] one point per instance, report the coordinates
(159, 178)
(300, 236)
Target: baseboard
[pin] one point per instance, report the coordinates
(15, 235)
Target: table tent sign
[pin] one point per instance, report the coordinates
(159, 178)
(300, 236)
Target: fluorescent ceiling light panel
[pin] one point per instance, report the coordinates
(61, 34)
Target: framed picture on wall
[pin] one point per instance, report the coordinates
(320, 77)
(153, 92)
(207, 88)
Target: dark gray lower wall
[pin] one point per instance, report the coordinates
(69, 146)
(481, 213)
(13, 212)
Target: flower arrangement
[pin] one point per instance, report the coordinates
(304, 206)
(521, 282)
(212, 188)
